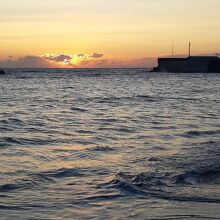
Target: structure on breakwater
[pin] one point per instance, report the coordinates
(2, 72)
(190, 64)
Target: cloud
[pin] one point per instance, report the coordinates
(142, 62)
(96, 55)
(26, 62)
(79, 60)
(81, 55)
(59, 58)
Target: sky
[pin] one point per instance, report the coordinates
(105, 33)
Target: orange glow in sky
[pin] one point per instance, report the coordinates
(124, 33)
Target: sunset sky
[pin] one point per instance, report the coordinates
(104, 33)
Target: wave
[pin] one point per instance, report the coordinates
(148, 98)
(121, 99)
(10, 141)
(34, 180)
(191, 134)
(161, 186)
(11, 120)
(78, 109)
(12, 207)
(105, 197)
(178, 217)
(206, 175)
(101, 149)
(138, 98)
(192, 175)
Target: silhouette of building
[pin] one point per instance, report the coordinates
(195, 64)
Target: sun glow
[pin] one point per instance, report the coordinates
(75, 60)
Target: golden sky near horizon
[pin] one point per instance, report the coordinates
(123, 31)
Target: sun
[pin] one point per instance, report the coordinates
(75, 60)
(66, 62)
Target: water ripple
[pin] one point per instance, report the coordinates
(112, 143)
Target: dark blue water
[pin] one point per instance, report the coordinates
(115, 144)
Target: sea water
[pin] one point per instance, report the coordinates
(109, 144)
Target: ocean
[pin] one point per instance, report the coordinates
(109, 144)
